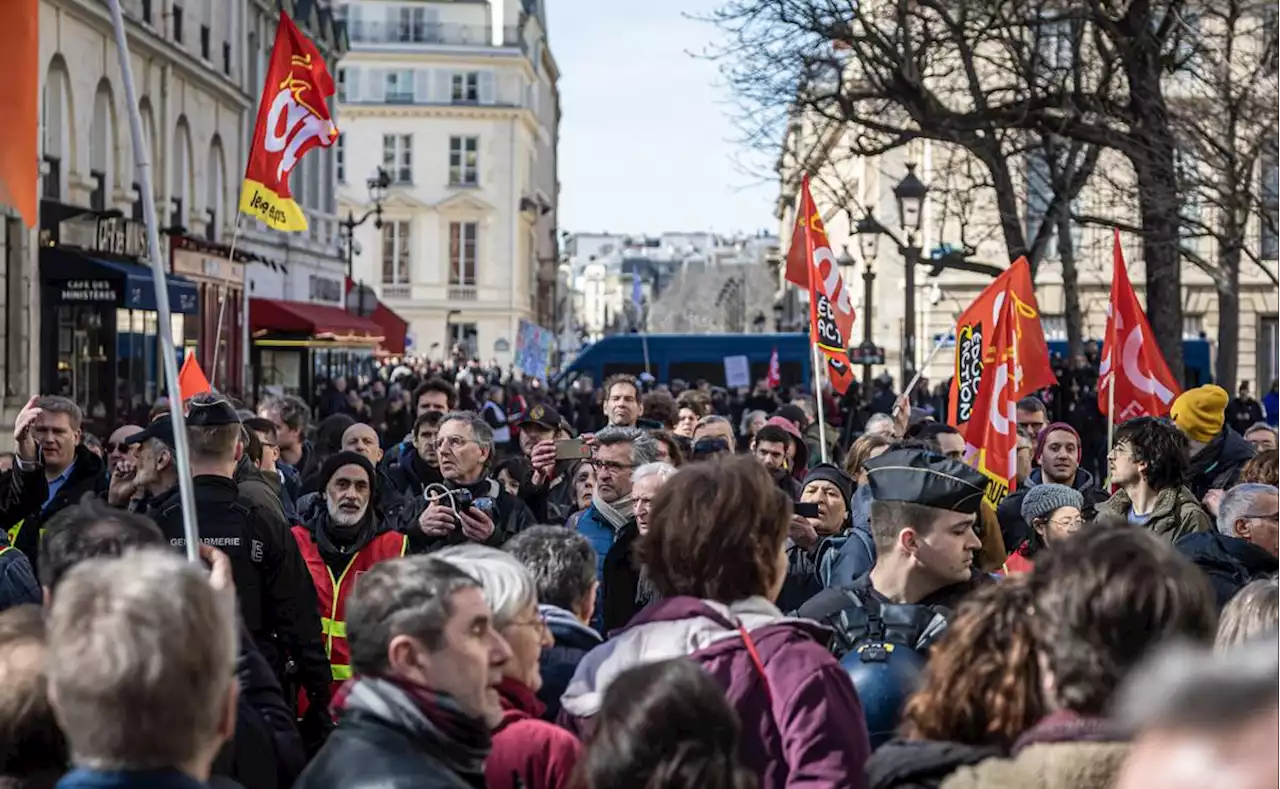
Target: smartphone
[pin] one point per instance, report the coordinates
(572, 449)
(806, 509)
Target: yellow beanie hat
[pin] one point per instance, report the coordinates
(1201, 412)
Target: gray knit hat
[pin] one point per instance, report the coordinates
(1040, 501)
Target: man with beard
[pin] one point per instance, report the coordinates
(1057, 457)
(342, 541)
(622, 405)
(552, 499)
(492, 516)
(770, 448)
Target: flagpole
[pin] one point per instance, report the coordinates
(222, 308)
(920, 373)
(817, 396)
(186, 493)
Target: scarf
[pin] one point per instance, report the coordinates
(352, 538)
(435, 718)
(617, 514)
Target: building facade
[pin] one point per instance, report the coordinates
(458, 103)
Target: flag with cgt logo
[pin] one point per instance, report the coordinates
(293, 118)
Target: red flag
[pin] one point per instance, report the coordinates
(293, 118)
(20, 97)
(975, 347)
(991, 437)
(192, 380)
(774, 379)
(1144, 387)
(830, 311)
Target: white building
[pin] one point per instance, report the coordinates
(458, 103)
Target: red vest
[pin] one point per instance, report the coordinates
(332, 593)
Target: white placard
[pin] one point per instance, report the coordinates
(737, 371)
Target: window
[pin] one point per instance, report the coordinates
(175, 219)
(1270, 240)
(98, 197)
(1055, 326)
(52, 178)
(340, 154)
(211, 224)
(1192, 326)
(177, 23)
(466, 86)
(342, 84)
(138, 214)
(146, 11)
(464, 156)
(462, 252)
(226, 58)
(395, 253)
(397, 157)
(399, 86)
(204, 41)
(465, 338)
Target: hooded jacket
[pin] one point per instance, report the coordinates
(803, 725)
(1230, 562)
(1176, 513)
(921, 764)
(528, 752)
(558, 661)
(1015, 530)
(1217, 465)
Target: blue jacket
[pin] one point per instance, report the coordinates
(592, 525)
(559, 661)
(1271, 405)
(18, 585)
(129, 779)
(857, 555)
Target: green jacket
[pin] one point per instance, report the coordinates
(1176, 513)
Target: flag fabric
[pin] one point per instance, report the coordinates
(20, 97)
(975, 348)
(1144, 385)
(191, 379)
(991, 436)
(830, 311)
(293, 118)
(774, 378)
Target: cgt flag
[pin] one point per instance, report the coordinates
(991, 437)
(293, 118)
(975, 329)
(774, 378)
(1144, 385)
(811, 265)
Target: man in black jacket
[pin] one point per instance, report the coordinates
(551, 491)
(411, 468)
(1244, 547)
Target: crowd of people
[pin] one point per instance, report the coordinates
(455, 581)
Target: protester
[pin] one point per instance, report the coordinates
(363, 440)
(1032, 416)
(464, 446)
(434, 395)
(814, 431)
(1217, 451)
(857, 555)
(1054, 512)
(1262, 468)
(622, 401)
(18, 584)
(1262, 437)
(666, 724)
(1245, 545)
(815, 542)
(1148, 464)
(660, 407)
(1253, 614)
(691, 406)
(1244, 411)
(879, 424)
(979, 692)
(414, 466)
(669, 449)
(713, 436)
(947, 439)
(428, 661)
(797, 449)
(770, 448)
(291, 417)
(117, 652)
(528, 753)
(33, 750)
(715, 554)
(1056, 457)
(563, 565)
(1104, 599)
(584, 486)
(1204, 719)
(261, 490)
(551, 497)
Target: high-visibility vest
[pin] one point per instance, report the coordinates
(331, 593)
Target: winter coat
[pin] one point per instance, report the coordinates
(616, 568)
(809, 572)
(21, 493)
(857, 555)
(803, 725)
(528, 752)
(1230, 562)
(920, 764)
(1217, 465)
(1015, 530)
(18, 584)
(510, 517)
(558, 661)
(258, 488)
(139, 779)
(407, 474)
(1243, 414)
(1064, 751)
(1176, 513)
(1271, 404)
(86, 477)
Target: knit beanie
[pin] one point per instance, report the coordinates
(1201, 412)
(827, 472)
(340, 459)
(1040, 501)
(1063, 426)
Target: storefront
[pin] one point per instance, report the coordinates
(98, 322)
(217, 332)
(298, 344)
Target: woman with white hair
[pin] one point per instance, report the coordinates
(527, 752)
(626, 585)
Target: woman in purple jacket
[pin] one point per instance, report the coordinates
(715, 553)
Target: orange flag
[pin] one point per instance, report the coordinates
(191, 380)
(19, 96)
(991, 437)
(1144, 385)
(293, 118)
(830, 311)
(975, 348)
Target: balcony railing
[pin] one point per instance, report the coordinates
(363, 31)
(396, 291)
(462, 293)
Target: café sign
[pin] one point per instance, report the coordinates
(87, 291)
(116, 236)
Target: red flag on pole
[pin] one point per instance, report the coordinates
(774, 379)
(192, 380)
(991, 436)
(830, 311)
(1143, 384)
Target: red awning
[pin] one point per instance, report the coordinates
(394, 329)
(315, 320)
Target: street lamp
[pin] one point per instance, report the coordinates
(910, 193)
(377, 193)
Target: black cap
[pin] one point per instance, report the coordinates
(918, 476)
(161, 428)
(212, 413)
(543, 415)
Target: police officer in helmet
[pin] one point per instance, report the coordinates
(923, 522)
(277, 599)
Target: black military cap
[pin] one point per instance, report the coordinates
(919, 476)
(211, 412)
(161, 428)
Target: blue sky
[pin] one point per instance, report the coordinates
(646, 134)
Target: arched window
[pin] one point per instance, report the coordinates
(56, 114)
(102, 148)
(182, 175)
(216, 181)
(152, 148)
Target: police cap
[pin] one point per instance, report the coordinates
(919, 476)
(211, 412)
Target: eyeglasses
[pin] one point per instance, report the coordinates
(540, 624)
(453, 442)
(611, 466)
(1273, 517)
(1068, 523)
